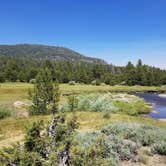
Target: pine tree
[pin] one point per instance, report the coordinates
(45, 95)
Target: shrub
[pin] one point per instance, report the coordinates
(72, 83)
(103, 84)
(96, 82)
(105, 115)
(159, 148)
(93, 82)
(145, 135)
(84, 103)
(72, 103)
(95, 103)
(86, 140)
(32, 81)
(4, 113)
(106, 148)
(103, 104)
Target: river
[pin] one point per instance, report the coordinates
(158, 103)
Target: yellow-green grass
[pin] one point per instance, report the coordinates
(13, 130)
(67, 89)
(11, 92)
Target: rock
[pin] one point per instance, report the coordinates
(20, 104)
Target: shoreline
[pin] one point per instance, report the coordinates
(162, 95)
(163, 120)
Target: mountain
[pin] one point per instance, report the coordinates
(43, 52)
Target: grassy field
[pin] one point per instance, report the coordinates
(13, 129)
(10, 92)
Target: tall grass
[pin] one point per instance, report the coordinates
(4, 113)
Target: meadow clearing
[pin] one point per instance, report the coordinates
(93, 116)
(12, 129)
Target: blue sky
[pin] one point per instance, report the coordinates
(114, 30)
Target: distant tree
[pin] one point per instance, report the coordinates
(2, 77)
(15, 69)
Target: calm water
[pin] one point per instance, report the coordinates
(159, 104)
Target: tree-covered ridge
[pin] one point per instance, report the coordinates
(15, 69)
(43, 52)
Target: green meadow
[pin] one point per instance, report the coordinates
(12, 128)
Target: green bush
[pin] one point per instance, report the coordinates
(145, 135)
(96, 103)
(159, 148)
(106, 115)
(4, 113)
(109, 149)
(103, 104)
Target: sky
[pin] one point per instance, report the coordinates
(117, 31)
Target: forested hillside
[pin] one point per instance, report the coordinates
(18, 69)
(43, 52)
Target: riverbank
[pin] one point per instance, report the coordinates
(158, 104)
(164, 120)
(162, 95)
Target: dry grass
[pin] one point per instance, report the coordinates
(11, 92)
(13, 130)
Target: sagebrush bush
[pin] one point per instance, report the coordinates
(96, 103)
(107, 103)
(159, 148)
(85, 102)
(103, 104)
(72, 83)
(86, 140)
(106, 148)
(145, 135)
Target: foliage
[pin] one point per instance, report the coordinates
(43, 146)
(107, 103)
(144, 135)
(72, 82)
(159, 148)
(32, 81)
(115, 143)
(106, 115)
(96, 148)
(25, 69)
(4, 113)
(2, 77)
(45, 95)
(103, 104)
(72, 103)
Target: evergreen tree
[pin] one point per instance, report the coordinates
(46, 94)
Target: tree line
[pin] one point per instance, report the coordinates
(24, 70)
